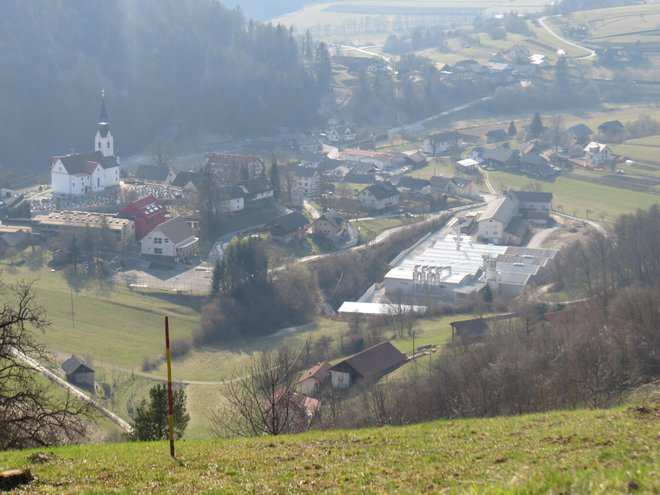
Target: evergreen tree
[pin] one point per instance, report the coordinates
(74, 253)
(536, 127)
(150, 421)
(215, 279)
(323, 69)
(512, 129)
(275, 177)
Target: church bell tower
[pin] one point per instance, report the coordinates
(104, 142)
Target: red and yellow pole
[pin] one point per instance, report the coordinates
(170, 414)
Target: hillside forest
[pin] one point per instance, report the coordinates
(211, 70)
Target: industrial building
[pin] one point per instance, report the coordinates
(455, 265)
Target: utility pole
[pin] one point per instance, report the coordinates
(73, 321)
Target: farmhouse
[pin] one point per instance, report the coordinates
(611, 129)
(80, 174)
(501, 157)
(328, 225)
(311, 379)
(147, 213)
(581, 133)
(173, 240)
(370, 364)
(379, 196)
(78, 373)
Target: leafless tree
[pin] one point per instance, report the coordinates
(29, 414)
(260, 398)
(161, 152)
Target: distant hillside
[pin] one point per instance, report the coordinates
(169, 67)
(601, 451)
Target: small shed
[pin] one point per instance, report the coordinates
(469, 331)
(78, 373)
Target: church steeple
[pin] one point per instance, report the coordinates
(104, 142)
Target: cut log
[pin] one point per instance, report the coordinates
(13, 478)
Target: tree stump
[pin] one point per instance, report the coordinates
(13, 478)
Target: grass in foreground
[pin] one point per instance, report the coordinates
(602, 451)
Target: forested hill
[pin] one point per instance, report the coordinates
(184, 64)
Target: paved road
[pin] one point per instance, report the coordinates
(74, 390)
(591, 54)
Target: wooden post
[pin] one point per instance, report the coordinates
(170, 417)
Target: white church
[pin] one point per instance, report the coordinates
(88, 173)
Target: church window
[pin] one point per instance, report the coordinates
(99, 146)
(108, 145)
(98, 182)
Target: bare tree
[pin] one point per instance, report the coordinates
(260, 398)
(29, 414)
(161, 152)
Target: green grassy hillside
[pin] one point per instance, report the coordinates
(602, 451)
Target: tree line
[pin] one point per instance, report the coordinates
(168, 67)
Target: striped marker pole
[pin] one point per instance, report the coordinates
(170, 416)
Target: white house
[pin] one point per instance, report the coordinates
(379, 196)
(308, 179)
(79, 174)
(597, 154)
(340, 134)
(232, 199)
(174, 240)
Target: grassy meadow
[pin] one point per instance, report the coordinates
(586, 451)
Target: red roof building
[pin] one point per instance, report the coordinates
(147, 213)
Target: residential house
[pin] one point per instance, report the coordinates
(469, 331)
(70, 223)
(311, 379)
(493, 221)
(329, 225)
(288, 228)
(232, 199)
(231, 168)
(441, 185)
(15, 207)
(155, 174)
(597, 154)
(370, 365)
(534, 206)
(173, 240)
(256, 191)
(308, 179)
(442, 142)
(146, 213)
(412, 184)
(340, 134)
(379, 196)
(464, 188)
(78, 373)
(189, 181)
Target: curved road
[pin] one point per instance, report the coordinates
(592, 53)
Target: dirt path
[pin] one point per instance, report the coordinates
(591, 54)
